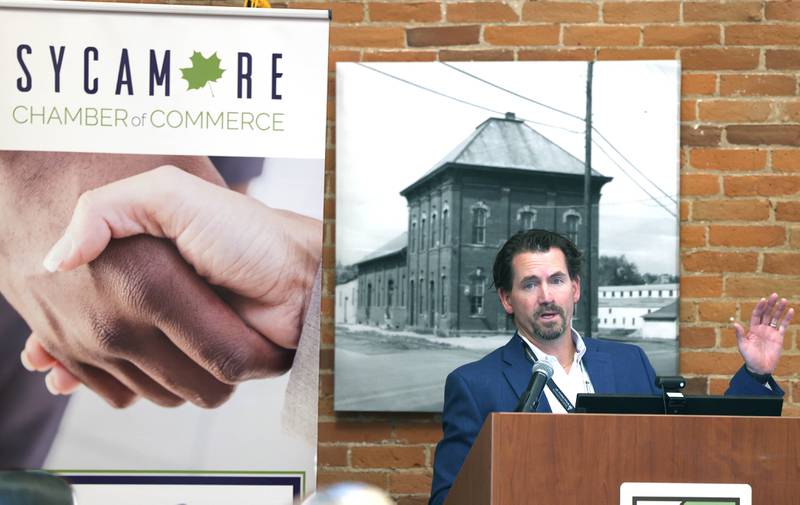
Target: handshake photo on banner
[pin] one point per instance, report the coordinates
(148, 276)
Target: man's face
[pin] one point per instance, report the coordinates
(542, 297)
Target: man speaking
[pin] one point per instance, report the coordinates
(537, 276)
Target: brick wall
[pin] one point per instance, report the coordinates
(740, 173)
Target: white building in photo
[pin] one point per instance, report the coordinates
(662, 323)
(623, 308)
(346, 302)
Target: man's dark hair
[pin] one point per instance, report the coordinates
(535, 240)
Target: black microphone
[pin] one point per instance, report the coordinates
(540, 374)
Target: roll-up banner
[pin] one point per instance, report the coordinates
(161, 187)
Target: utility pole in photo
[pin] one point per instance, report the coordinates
(587, 204)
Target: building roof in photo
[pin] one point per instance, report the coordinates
(666, 313)
(634, 302)
(394, 246)
(509, 143)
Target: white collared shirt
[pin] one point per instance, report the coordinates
(572, 383)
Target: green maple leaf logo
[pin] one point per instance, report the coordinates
(202, 71)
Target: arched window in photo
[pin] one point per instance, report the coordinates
(445, 224)
(572, 220)
(434, 231)
(389, 297)
(477, 292)
(443, 294)
(526, 217)
(480, 213)
(412, 237)
(422, 232)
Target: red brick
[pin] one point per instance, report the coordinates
(329, 477)
(335, 57)
(718, 386)
(400, 56)
(785, 11)
(693, 236)
(688, 110)
(787, 211)
(788, 365)
(746, 236)
(697, 338)
(326, 305)
(782, 263)
(601, 36)
(698, 84)
(753, 134)
(790, 410)
(641, 12)
(326, 330)
(366, 36)
(428, 433)
(728, 159)
(710, 362)
(637, 54)
(757, 85)
(389, 457)
(722, 11)
(700, 135)
(757, 286)
(423, 12)
(325, 408)
(766, 185)
(735, 111)
(443, 36)
(326, 384)
(332, 455)
(692, 35)
(730, 210)
(556, 54)
(407, 482)
(719, 59)
(345, 12)
(539, 35)
(412, 499)
(762, 35)
(687, 312)
(794, 237)
(727, 336)
(684, 210)
(344, 431)
(783, 59)
(786, 160)
(326, 358)
(476, 55)
(699, 185)
(560, 12)
(789, 112)
(701, 286)
(717, 262)
(480, 12)
(716, 312)
(795, 391)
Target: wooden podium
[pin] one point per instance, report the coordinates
(551, 459)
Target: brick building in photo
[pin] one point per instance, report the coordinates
(436, 277)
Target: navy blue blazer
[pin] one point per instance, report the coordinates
(496, 382)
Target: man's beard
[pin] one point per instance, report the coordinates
(550, 330)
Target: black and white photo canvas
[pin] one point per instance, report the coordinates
(438, 164)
